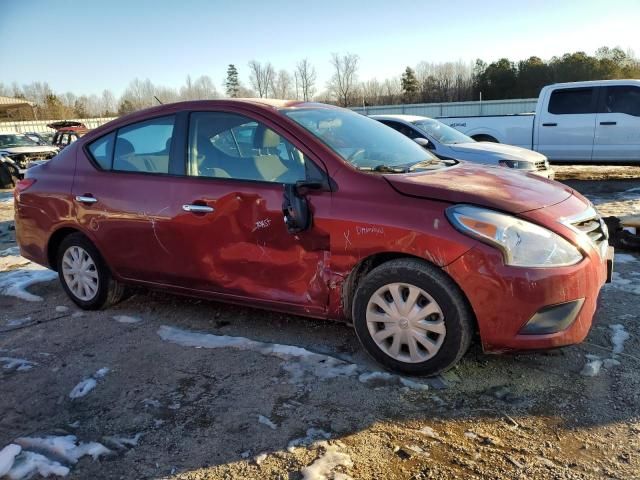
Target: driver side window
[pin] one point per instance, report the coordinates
(227, 145)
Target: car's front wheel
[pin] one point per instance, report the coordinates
(85, 276)
(412, 318)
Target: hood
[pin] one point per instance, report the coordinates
(30, 149)
(493, 187)
(498, 151)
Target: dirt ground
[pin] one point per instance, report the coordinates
(233, 412)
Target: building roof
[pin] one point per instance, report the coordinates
(9, 102)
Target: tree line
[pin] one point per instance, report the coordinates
(424, 83)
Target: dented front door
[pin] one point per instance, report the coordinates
(237, 244)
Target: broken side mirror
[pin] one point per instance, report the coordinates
(295, 207)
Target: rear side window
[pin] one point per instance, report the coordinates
(141, 147)
(144, 146)
(622, 99)
(572, 101)
(102, 150)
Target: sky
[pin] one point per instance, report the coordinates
(90, 45)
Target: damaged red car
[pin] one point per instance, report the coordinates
(318, 211)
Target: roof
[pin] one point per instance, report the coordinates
(406, 118)
(596, 83)
(14, 102)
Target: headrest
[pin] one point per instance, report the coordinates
(123, 147)
(270, 139)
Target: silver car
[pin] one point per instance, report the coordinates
(447, 142)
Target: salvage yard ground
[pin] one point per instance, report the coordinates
(170, 387)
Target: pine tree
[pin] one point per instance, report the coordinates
(409, 85)
(232, 84)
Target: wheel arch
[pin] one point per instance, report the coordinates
(57, 238)
(366, 265)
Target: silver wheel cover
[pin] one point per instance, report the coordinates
(80, 273)
(405, 322)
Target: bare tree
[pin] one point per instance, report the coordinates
(372, 92)
(306, 78)
(261, 77)
(343, 83)
(281, 86)
(108, 103)
(139, 94)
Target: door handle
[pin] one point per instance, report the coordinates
(197, 208)
(86, 199)
(608, 123)
(549, 124)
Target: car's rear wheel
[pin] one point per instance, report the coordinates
(85, 276)
(6, 176)
(412, 318)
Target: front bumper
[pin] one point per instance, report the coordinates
(504, 299)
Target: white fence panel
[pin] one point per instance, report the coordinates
(41, 125)
(455, 109)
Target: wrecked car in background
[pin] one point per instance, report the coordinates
(67, 132)
(19, 151)
(318, 211)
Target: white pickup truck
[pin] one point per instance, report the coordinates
(574, 122)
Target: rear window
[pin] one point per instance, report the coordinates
(102, 150)
(143, 147)
(622, 99)
(572, 101)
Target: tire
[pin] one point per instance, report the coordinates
(447, 332)
(102, 290)
(6, 179)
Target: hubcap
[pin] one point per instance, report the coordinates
(80, 273)
(405, 322)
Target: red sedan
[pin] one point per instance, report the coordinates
(315, 210)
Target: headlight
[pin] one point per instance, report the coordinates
(519, 164)
(522, 243)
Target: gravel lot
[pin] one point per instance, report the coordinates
(173, 406)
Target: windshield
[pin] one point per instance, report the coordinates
(442, 133)
(15, 140)
(361, 141)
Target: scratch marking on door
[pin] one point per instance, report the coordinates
(153, 227)
(347, 240)
(260, 224)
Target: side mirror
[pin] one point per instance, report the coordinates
(423, 142)
(295, 207)
(304, 186)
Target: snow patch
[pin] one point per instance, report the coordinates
(27, 464)
(122, 443)
(592, 367)
(15, 282)
(17, 364)
(83, 388)
(62, 309)
(7, 456)
(88, 384)
(65, 448)
(261, 457)
(625, 258)
(618, 336)
(313, 435)
(307, 362)
(430, 433)
(266, 421)
(11, 251)
(77, 314)
(16, 322)
(126, 319)
(300, 363)
(324, 468)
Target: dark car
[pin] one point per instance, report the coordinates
(316, 210)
